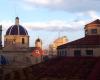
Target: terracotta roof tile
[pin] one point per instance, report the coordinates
(97, 21)
(85, 41)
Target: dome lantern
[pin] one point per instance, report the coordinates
(17, 21)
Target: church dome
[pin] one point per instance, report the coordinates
(16, 30)
(38, 40)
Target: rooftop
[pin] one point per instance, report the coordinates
(97, 21)
(90, 40)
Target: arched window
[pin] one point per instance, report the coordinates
(23, 41)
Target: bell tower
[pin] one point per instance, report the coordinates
(38, 43)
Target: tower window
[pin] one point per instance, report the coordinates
(23, 41)
(94, 31)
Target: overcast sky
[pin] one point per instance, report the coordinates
(46, 18)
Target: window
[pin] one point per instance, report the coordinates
(77, 53)
(59, 53)
(65, 53)
(23, 41)
(89, 52)
(94, 31)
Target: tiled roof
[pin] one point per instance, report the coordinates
(64, 68)
(38, 40)
(97, 21)
(16, 30)
(90, 40)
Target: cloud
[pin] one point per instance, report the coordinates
(93, 15)
(6, 24)
(57, 25)
(54, 25)
(66, 5)
(44, 2)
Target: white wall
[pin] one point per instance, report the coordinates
(70, 51)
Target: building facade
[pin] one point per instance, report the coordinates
(16, 52)
(86, 46)
(59, 41)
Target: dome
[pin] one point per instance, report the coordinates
(16, 30)
(38, 40)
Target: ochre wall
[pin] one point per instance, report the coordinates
(9, 41)
(93, 26)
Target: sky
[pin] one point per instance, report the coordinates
(47, 18)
